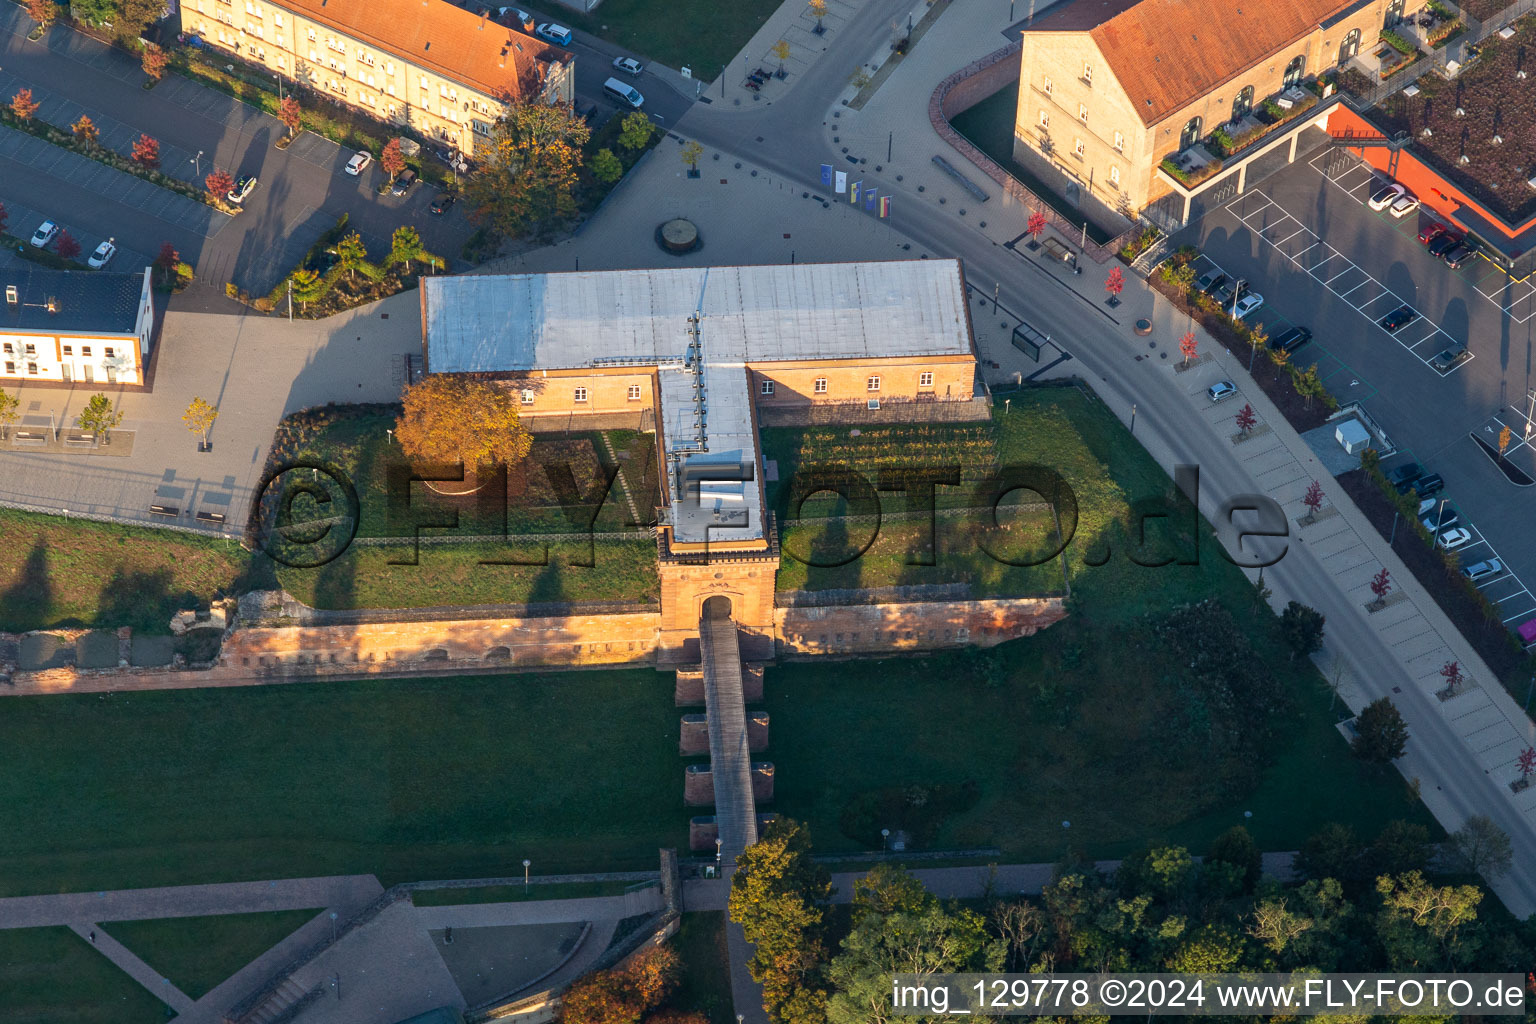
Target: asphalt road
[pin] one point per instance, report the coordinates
(786, 140)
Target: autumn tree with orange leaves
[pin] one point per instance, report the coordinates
(622, 995)
(530, 178)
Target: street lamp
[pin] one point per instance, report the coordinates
(197, 162)
(718, 842)
(885, 835)
(279, 80)
(333, 926)
(1440, 518)
(526, 862)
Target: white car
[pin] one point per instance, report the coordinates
(628, 65)
(557, 34)
(514, 16)
(1387, 196)
(1450, 540)
(1221, 390)
(1247, 305)
(44, 233)
(1405, 205)
(360, 160)
(103, 255)
(243, 188)
(1482, 570)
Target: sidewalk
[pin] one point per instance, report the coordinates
(187, 901)
(794, 24)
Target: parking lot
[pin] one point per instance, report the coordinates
(1306, 240)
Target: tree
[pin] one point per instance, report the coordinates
(1313, 499)
(85, 131)
(635, 130)
(1188, 346)
(98, 417)
(43, 12)
(622, 995)
(1279, 356)
(1277, 927)
(818, 11)
(1246, 418)
(66, 246)
(691, 152)
(1021, 925)
(219, 183)
(307, 286)
(1114, 284)
(146, 152)
(1332, 851)
(199, 418)
(925, 942)
(153, 60)
(1526, 762)
(1302, 629)
(1211, 950)
(1422, 923)
(1257, 337)
(10, 410)
(351, 254)
(1451, 673)
(1381, 585)
(889, 889)
(1482, 846)
(1401, 847)
(134, 16)
(449, 419)
(1309, 385)
(167, 260)
(1504, 437)
(529, 178)
(405, 246)
(23, 105)
(1236, 847)
(780, 50)
(291, 114)
(1380, 733)
(392, 159)
(94, 12)
(1035, 226)
(777, 895)
(606, 167)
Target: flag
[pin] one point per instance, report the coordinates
(869, 198)
(842, 182)
(826, 174)
(885, 206)
(853, 193)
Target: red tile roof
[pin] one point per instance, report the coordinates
(1167, 53)
(455, 43)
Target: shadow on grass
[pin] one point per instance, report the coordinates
(143, 600)
(25, 604)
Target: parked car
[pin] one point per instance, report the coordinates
(1405, 205)
(1443, 243)
(244, 187)
(1441, 521)
(1387, 196)
(443, 203)
(1431, 231)
(557, 34)
(628, 65)
(1221, 390)
(1229, 290)
(514, 16)
(1450, 540)
(1450, 358)
(1482, 570)
(1291, 340)
(1463, 251)
(44, 234)
(360, 160)
(103, 255)
(1399, 318)
(1428, 485)
(624, 93)
(1209, 281)
(1403, 476)
(404, 182)
(1247, 305)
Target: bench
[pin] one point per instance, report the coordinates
(169, 511)
(210, 517)
(85, 440)
(30, 437)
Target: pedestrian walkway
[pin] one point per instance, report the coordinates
(187, 900)
(135, 968)
(730, 759)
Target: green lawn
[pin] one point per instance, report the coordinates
(706, 981)
(517, 893)
(701, 34)
(58, 572)
(410, 779)
(53, 976)
(198, 954)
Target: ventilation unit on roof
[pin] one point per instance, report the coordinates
(11, 295)
(53, 303)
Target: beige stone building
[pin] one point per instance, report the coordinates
(75, 326)
(1109, 88)
(444, 71)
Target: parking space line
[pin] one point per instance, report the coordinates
(1292, 235)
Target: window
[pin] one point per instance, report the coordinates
(581, 394)
(311, 34)
(277, 20)
(1088, 73)
(1047, 87)
(389, 68)
(1077, 147)
(1350, 47)
(8, 348)
(250, 8)
(634, 392)
(69, 350)
(767, 388)
(1119, 142)
(1114, 176)
(1082, 112)
(873, 384)
(925, 380)
(85, 350)
(32, 368)
(282, 65)
(109, 353)
(1295, 70)
(1045, 119)
(527, 396)
(821, 385)
(10, 367)
(480, 128)
(1191, 133)
(32, 350)
(1243, 103)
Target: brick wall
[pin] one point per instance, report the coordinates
(878, 628)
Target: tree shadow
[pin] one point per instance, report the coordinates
(26, 603)
(143, 600)
(549, 586)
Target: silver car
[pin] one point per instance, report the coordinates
(1221, 390)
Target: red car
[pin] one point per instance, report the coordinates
(1430, 233)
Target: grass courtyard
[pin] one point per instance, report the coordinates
(53, 976)
(701, 34)
(197, 954)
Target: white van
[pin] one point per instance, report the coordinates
(623, 92)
